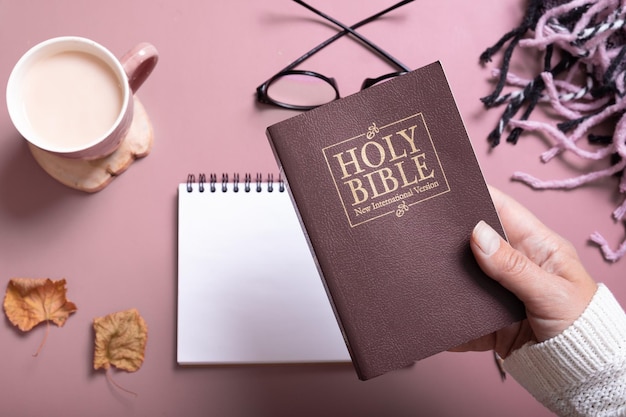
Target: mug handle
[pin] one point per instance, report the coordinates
(138, 63)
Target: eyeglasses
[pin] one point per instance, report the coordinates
(304, 90)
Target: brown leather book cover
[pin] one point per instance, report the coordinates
(388, 190)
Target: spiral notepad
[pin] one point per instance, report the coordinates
(248, 288)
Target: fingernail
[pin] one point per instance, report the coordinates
(488, 240)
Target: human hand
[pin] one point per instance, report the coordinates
(540, 267)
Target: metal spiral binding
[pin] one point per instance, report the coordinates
(223, 184)
(190, 180)
(212, 182)
(201, 181)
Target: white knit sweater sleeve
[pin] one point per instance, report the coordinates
(582, 371)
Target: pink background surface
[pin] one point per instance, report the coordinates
(117, 248)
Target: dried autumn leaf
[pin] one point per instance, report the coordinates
(120, 340)
(30, 301)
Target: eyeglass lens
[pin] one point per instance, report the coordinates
(301, 89)
(304, 90)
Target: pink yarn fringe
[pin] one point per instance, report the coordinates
(569, 99)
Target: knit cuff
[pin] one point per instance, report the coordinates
(557, 370)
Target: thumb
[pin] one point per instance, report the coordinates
(508, 266)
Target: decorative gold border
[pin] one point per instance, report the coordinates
(443, 173)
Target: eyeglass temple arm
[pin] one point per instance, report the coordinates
(342, 33)
(356, 34)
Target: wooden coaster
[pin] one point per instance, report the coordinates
(93, 176)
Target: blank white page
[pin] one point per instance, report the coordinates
(248, 288)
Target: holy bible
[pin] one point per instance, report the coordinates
(388, 190)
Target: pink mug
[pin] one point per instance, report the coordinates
(72, 97)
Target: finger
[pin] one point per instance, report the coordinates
(518, 222)
(510, 267)
(533, 239)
